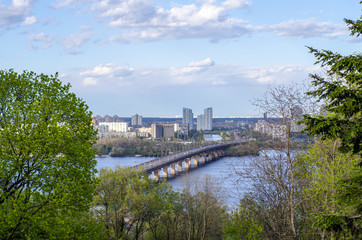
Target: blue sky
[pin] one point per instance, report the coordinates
(155, 57)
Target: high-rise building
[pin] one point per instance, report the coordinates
(208, 118)
(136, 120)
(188, 117)
(200, 122)
(204, 121)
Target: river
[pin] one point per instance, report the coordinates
(221, 171)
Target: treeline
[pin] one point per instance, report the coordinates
(122, 147)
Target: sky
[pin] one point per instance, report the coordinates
(155, 57)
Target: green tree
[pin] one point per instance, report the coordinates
(126, 201)
(242, 224)
(47, 164)
(319, 170)
(341, 92)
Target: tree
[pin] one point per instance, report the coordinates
(47, 164)
(203, 212)
(272, 175)
(127, 201)
(242, 224)
(319, 169)
(341, 92)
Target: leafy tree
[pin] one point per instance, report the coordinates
(127, 201)
(47, 164)
(341, 92)
(242, 224)
(319, 170)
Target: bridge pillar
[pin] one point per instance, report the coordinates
(216, 155)
(210, 156)
(179, 167)
(173, 171)
(196, 160)
(203, 158)
(187, 164)
(164, 172)
(149, 175)
(156, 176)
(222, 153)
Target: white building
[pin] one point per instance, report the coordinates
(101, 128)
(204, 121)
(115, 126)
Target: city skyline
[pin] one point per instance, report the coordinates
(155, 57)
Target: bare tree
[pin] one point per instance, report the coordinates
(273, 177)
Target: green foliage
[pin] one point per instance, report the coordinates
(341, 92)
(119, 147)
(320, 170)
(242, 226)
(127, 200)
(47, 162)
(250, 148)
(195, 213)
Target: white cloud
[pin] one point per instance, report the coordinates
(194, 67)
(110, 70)
(65, 3)
(29, 21)
(308, 28)
(109, 75)
(15, 13)
(76, 40)
(145, 21)
(196, 73)
(89, 81)
(204, 63)
(278, 74)
(40, 37)
(21, 3)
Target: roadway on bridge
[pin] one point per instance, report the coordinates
(158, 163)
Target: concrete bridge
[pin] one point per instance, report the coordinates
(189, 159)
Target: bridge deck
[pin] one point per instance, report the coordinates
(158, 163)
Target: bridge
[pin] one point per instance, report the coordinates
(183, 161)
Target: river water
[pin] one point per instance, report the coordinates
(223, 171)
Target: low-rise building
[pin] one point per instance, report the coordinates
(163, 130)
